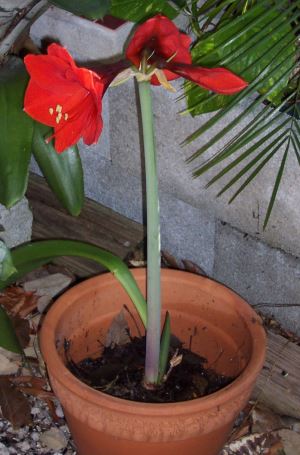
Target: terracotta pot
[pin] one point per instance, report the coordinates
(219, 324)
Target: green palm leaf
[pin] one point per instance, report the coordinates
(264, 51)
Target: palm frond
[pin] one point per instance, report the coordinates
(259, 43)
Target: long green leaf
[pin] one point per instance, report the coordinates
(252, 175)
(254, 162)
(243, 156)
(8, 338)
(92, 9)
(7, 268)
(25, 257)
(220, 157)
(276, 186)
(137, 10)
(164, 347)
(16, 130)
(63, 172)
(214, 120)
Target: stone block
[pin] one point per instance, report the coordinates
(15, 223)
(186, 232)
(266, 277)
(85, 39)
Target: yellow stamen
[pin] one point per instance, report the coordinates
(171, 58)
(58, 108)
(66, 116)
(58, 117)
(51, 110)
(163, 81)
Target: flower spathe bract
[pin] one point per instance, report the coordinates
(64, 96)
(159, 44)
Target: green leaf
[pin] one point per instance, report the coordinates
(16, 130)
(92, 9)
(8, 338)
(276, 186)
(27, 257)
(137, 10)
(7, 267)
(164, 347)
(245, 45)
(63, 171)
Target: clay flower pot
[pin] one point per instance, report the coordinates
(223, 328)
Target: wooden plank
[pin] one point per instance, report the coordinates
(278, 385)
(96, 224)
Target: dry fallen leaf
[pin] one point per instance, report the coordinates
(14, 405)
(34, 381)
(118, 332)
(256, 443)
(190, 266)
(17, 301)
(10, 362)
(276, 449)
(22, 330)
(264, 420)
(169, 260)
(53, 439)
(47, 287)
(290, 441)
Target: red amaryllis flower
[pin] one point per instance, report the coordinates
(64, 96)
(165, 50)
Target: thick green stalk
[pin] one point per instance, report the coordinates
(153, 240)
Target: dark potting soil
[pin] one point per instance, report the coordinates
(119, 371)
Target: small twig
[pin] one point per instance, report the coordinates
(21, 28)
(174, 362)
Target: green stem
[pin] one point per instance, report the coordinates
(153, 239)
(43, 251)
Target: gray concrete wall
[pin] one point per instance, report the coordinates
(15, 224)
(254, 263)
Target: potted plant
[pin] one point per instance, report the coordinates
(210, 318)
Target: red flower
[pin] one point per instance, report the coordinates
(165, 49)
(68, 98)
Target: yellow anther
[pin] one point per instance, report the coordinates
(51, 110)
(58, 117)
(58, 108)
(66, 116)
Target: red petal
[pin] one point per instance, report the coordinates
(87, 123)
(160, 34)
(50, 73)
(219, 80)
(38, 102)
(92, 133)
(56, 50)
(65, 97)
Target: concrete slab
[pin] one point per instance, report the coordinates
(16, 223)
(248, 210)
(186, 232)
(85, 39)
(265, 276)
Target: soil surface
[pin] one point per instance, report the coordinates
(119, 371)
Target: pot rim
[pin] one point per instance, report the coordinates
(62, 375)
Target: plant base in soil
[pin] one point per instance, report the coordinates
(119, 371)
